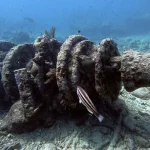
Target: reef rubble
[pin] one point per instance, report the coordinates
(40, 82)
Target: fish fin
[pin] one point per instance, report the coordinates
(80, 101)
(100, 118)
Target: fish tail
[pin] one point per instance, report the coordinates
(100, 118)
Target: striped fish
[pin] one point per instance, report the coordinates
(86, 101)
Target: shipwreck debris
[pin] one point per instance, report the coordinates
(41, 79)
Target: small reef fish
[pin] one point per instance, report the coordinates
(29, 19)
(79, 31)
(86, 101)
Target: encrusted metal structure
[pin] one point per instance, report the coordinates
(45, 76)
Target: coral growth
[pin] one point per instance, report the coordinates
(51, 33)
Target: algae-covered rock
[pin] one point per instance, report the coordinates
(129, 123)
(16, 122)
(48, 146)
(142, 93)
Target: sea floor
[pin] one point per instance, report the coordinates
(129, 133)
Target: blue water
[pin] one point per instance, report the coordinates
(96, 19)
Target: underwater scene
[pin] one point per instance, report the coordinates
(75, 75)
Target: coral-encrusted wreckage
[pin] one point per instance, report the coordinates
(40, 80)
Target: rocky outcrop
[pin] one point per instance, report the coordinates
(142, 93)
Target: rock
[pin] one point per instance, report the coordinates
(48, 146)
(142, 93)
(16, 121)
(142, 142)
(13, 146)
(143, 123)
(104, 130)
(128, 122)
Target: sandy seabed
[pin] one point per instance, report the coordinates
(93, 135)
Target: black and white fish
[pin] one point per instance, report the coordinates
(86, 101)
